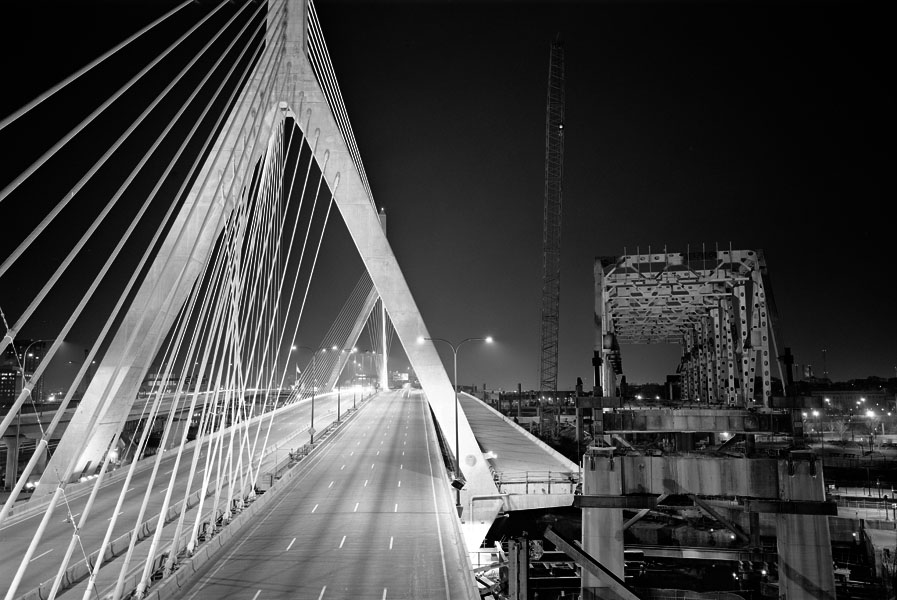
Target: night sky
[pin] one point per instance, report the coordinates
(760, 125)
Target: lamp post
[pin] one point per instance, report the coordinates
(455, 350)
(24, 366)
(354, 381)
(314, 375)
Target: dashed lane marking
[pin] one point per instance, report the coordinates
(42, 554)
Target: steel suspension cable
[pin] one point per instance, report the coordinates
(86, 68)
(15, 183)
(76, 313)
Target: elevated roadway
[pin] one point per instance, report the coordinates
(370, 516)
(528, 472)
(289, 430)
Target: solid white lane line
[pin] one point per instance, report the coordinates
(390, 542)
(436, 512)
(343, 541)
(323, 589)
(315, 508)
(43, 554)
(330, 486)
(356, 507)
(291, 544)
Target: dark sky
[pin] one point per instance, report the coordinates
(760, 125)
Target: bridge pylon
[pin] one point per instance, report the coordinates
(292, 79)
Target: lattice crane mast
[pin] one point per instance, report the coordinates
(551, 233)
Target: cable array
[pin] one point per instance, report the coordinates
(219, 377)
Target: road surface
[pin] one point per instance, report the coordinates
(16, 536)
(371, 516)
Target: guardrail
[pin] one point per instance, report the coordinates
(535, 478)
(80, 570)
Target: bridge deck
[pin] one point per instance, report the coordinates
(516, 451)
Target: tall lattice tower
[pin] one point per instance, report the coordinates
(551, 233)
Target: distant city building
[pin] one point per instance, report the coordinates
(17, 365)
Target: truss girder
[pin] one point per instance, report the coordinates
(713, 304)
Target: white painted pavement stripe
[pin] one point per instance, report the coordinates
(356, 507)
(365, 483)
(313, 461)
(257, 594)
(400, 483)
(390, 542)
(315, 508)
(323, 589)
(291, 544)
(42, 554)
(330, 486)
(384, 594)
(342, 467)
(343, 541)
(436, 512)
(396, 509)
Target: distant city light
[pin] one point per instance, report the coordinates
(815, 413)
(870, 413)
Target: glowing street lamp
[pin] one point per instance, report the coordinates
(455, 349)
(314, 374)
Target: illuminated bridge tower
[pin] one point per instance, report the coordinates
(292, 79)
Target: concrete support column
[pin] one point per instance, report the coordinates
(12, 461)
(518, 569)
(602, 528)
(803, 541)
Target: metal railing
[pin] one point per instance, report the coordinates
(543, 479)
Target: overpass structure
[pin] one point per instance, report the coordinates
(219, 256)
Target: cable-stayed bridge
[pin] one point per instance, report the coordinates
(175, 217)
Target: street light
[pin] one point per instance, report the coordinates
(352, 351)
(314, 375)
(455, 349)
(24, 362)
